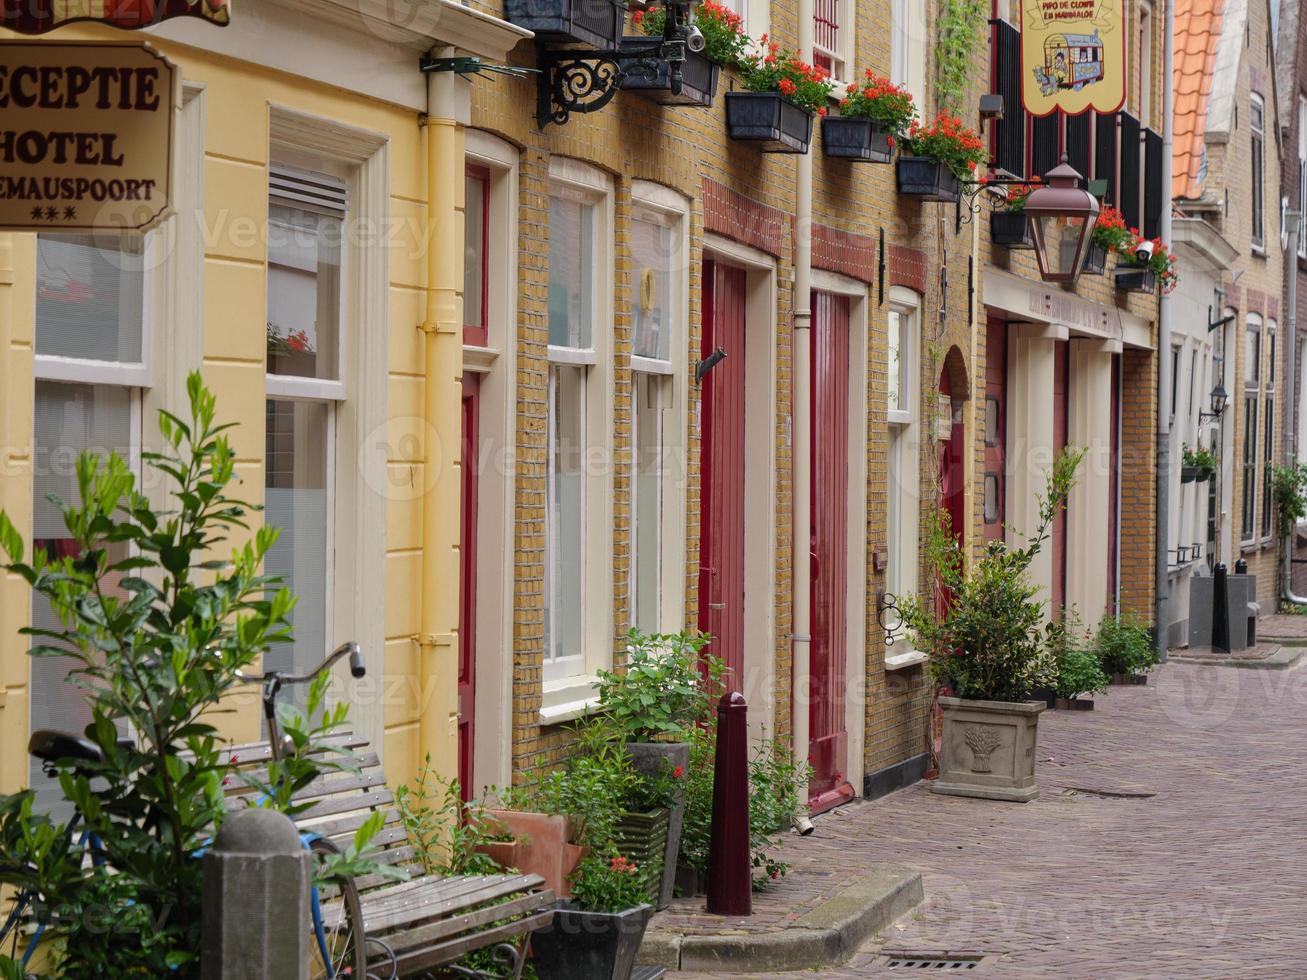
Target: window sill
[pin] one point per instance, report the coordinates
(905, 661)
(568, 699)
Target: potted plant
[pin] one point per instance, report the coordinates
(783, 93)
(597, 23)
(667, 690)
(1197, 465)
(1125, 649)
(596, 933)
(986, 647)
(1143, 264)
(1009, 226)
(1109, 235)
(937, 157)
(724, 45)
(1078, 672)
(873, 115)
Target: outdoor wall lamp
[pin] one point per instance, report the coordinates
(572, 80)
(1061, 215)
(1219, 399)
(708, 363)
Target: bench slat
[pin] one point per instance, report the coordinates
(387, 909)
(413, 961)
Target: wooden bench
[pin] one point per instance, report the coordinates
(427, 922)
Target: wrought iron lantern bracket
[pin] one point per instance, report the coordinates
(969, 197)
(889, 616)
(573, 80)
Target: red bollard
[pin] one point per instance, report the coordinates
(730, 879)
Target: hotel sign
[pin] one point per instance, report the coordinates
(86, 136)
(1072, 56)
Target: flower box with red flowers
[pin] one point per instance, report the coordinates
(926, 177)
(597, 23)
(1010, 229)
(652, 78)
(1135, 279)
(1095, 260)
(874, 113)
(770, 120)
(851, 138)
(938, 156)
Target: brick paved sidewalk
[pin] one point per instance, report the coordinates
(1168, 842)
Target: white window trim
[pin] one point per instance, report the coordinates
(914, 76)
(579, 686)
(1258, 245)
(357, 494)
(907, 423)
(843, 53)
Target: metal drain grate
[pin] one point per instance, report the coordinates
(931, 963)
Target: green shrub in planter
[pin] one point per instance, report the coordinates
(667, 688)
(1078, 671)
(1124, 646)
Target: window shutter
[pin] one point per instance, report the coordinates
(1129, 191)
(313, 192)
(1152, 183)
(1105, 155)
(1010, 131)
(1077, 143)
(1043, 144)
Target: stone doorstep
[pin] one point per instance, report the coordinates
(1277, 658)
(825, 936)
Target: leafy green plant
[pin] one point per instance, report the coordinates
(1289, 495)
(609, 882)
(959, 35)
(445, 831)
(987, 641)
(725, 42)
(1202, 458)
(880, 100)
(158, 628)
(1124, 645)
(1078, 671)
(775, 70)
(667, 688)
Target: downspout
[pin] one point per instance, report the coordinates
(1164, 380)
(801, 416)
(442, 326)
(1294, 219)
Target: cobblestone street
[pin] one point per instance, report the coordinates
(1167, 842)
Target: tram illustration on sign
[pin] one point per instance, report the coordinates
(1072, 56)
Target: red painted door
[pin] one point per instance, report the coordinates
(995, 480)
(721, 537)
(1113, 492)
(952, 462)
(828, 745)
(467, 574)
(1061, 363)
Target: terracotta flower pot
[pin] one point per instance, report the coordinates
(543, 846)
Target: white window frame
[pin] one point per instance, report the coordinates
(1251, 388)
(569, 693)
(756, 15)
(908, 48)
(842, 54)
(903, 511)
(1257, 155)
(653, 202)
(1145, 64)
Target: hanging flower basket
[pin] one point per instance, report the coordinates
(927, 178)
(1095, 260)
(769, 120)
(1010, 228)
(597, 23)
(1188, 474)
(851, 138)
(1135, 280)
(699, 78)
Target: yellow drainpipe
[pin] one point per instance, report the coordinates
(443, 326)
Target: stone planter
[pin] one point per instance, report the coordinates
(597, 23)
(1010, 228)
(772, 122)
(650, 757)
(927, 178)
(542, 846)
(699, 78)
(1135, 280)
(989, 749)
(589, 945)
(1075, 704)
(851, 138)
(1095, 260)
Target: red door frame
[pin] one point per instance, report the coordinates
(828, 662)
(952, 463)
(995, 475)
(467, 574)
(721, 538)
(1114, 488)
(1061, 384)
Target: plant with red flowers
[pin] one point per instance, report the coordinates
(952, 144)
(723, 30)
(1016, 197)
(1161, 263)
(609, 883)
(1110, 231)
(887, 105)
(775, 70)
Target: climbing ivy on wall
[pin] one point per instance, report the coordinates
(960, 30)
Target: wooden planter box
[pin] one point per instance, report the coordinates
(927, 178)
(699, 78)
(767, 119)
(1010, 228)
(1135, 280)
(988, 749)
(1128, 680)
(597, 23)
(650, 758)
(1095, 260)
(851, 138)
(642, 837)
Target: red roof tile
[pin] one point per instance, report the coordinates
(1197, 29)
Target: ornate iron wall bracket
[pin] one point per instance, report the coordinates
(888, 616)
(586, 81)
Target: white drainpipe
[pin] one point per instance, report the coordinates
(1164, 379)
(1293, 219)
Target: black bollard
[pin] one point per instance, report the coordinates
(730, 878)
(1221, 609)
(1240, 567)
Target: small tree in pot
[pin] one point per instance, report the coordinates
(986, 645)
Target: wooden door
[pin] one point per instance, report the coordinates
(828, 745)
(995, 479)
(467, 575)
(1061, 364)
(721, 536)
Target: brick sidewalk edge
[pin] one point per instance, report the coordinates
(826, 936)
(1285, 658)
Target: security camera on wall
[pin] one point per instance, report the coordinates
(1144, 251)
(695, 40)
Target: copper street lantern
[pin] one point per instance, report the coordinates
(1061, 216)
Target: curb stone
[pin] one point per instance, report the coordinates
(1285, 658)
(826, 936)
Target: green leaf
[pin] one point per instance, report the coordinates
(10, 539)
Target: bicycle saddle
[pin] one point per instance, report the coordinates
(52, 746)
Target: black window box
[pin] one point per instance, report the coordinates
(698, 77)
(927, 178)
(1010, 228)
(851, 138)
(773, 122)
(1196, 474)
(597, 23)
(1095, 260)
(1135, 280)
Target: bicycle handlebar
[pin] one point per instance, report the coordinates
(356, 667)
